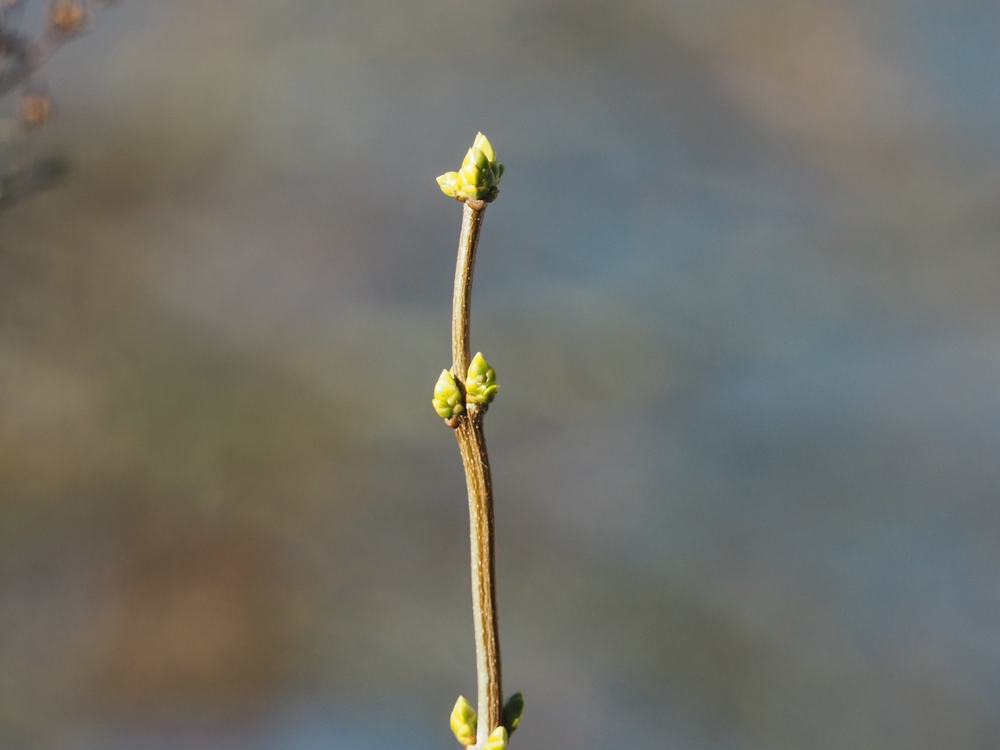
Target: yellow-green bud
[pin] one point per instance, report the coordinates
(479, 176)
(463, 721)
(497, 740)
(447, 401)
(512, 711)
(483, 144)
(481, 381)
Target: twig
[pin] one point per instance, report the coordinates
(461, 397)
(472, 444)
(21, 56)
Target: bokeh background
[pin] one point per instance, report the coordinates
(742, 290)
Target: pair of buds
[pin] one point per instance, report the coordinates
(480, 388)
(464, 722)
(479, 176)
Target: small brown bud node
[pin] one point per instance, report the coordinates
(36, 109)
(68, 16)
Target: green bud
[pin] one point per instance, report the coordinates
(447, 401)
(470, 174)
(481, 381)
(512, 711)
(479, 176)
(497, 740)
(463, 721)
(484, 145)
(450, 183)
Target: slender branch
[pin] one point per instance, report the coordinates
(472, 444)
(472, 222)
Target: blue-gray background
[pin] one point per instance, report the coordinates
(742, 290)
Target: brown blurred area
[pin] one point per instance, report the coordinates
(740, 289)
(189, 617)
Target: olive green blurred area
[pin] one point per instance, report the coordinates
(740, 288)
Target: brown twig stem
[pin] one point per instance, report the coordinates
(472, 444)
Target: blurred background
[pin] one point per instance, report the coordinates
(742, 290)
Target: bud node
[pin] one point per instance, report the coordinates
(478, 179)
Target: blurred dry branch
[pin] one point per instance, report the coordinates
(22, 54)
